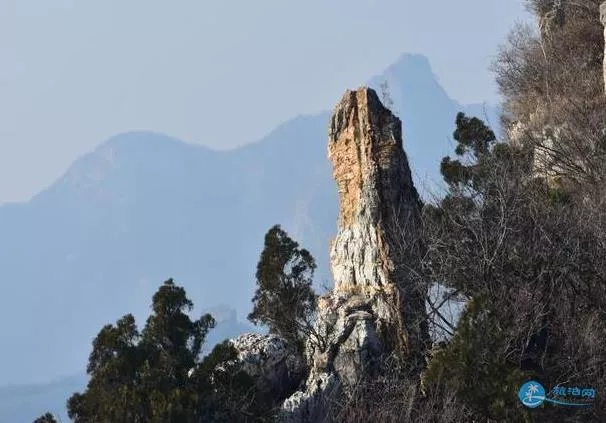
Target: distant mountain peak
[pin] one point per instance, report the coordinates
(414, 66)
(128, 150)
(90, 169)
(139, 139)
(419, 61)
(411, 75)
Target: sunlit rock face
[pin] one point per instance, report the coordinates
(378, 301)
(269, 358)
(377, 197)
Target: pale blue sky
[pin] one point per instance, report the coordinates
(221, 73)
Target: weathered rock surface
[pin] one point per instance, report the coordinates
(377, 304)
(547, 123)
(542, 138)
(603, 20)
(311, 404)
(269, 357)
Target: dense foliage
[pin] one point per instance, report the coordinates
(46, 418)
(158, 375)
(284, 299)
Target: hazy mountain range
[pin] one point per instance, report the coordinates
(144, 207)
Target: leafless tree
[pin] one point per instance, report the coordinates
(535, 264)
(553, 84)
(395, 398)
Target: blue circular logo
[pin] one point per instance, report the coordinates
(532, 394)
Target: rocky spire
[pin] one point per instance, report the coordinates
(377, 196)
(377, 246)
(377, 306)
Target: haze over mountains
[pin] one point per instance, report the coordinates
(144, 207)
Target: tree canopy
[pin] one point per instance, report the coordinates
(284, 299)
(46, 418)
(158, 374)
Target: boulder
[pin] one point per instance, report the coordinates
(279, 367)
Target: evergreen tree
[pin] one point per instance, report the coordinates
(284, 299)
(474, 142)
(158, 376)
(46, 418)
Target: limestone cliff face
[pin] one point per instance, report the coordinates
(377, 305)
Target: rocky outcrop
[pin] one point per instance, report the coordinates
(558, 125)
(269, 358)
(377, 305)
(542, 139)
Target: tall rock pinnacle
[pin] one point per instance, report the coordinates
(378, 201)
(377, 306)
(377, 247)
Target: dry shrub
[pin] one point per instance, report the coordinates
(552, 81)
(395, 397)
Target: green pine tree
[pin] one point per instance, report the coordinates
(158, 375)
(46, 418)
(284, 299)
